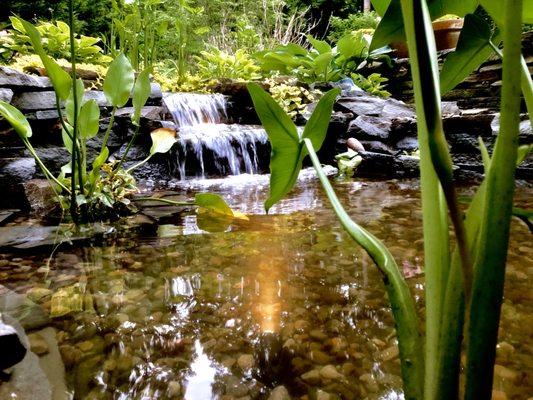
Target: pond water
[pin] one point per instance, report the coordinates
(171, 311)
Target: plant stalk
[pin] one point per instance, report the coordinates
(403, 307)
(489, 271)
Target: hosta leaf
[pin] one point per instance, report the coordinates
(16, 119)
(119, 80)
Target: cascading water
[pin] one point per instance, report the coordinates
(209, 145)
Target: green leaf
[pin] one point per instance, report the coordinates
(496, 9)
(317, 126)
(69, 104)
(286, 158)
(162, 140)
(391, 27)
(16, 119)
(473, 48)
(67, 141)
(97, 164)
(119, 80)
(58, 76)
(523, 152)
(381, 6)
(141, 93)
(320, 45)
(213, 203)
(89, 120)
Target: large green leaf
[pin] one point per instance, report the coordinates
(391, 27)
(16, 119)
(288, 151)
(213, 203)
(472, 50)
(317, 126)
(58, 76)
(320, 45)
(381, 6)
(119, 80)
(89, 120)
(141, 93)
(285, 159)
(496, 9)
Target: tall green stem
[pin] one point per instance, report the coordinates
(489, 272)
(128, 147)
(403, 308)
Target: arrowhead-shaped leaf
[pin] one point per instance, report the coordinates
(16, 119)
(119, 80)
(162, 140)
(473, 48)
(141, 93)
(58, 76)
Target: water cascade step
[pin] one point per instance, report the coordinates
(209, 145)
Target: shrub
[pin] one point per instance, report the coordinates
(217, 64)
(354, 22)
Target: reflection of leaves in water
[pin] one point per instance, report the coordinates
(70, 299)
(211, 222)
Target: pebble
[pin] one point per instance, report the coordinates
(35, 294)
(318, 335)
(505, 373)
(174, 389)
(390, 353)
(245, 362)
(329, 372)
(498, 395)
(312, 377)
(37, 344)
(279, 393)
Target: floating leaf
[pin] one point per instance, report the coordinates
(213, 203)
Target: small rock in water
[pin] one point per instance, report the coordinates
(37, 344)
(505, 373)
(35, 294)
(355, 145)
(279, 393)
(329, 372)
(321, 395)
(312, 377)
(390, 353)
(245, 362)
(174, 389)
(498, 395)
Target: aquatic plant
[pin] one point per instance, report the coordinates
(464, 287)
(87, 191)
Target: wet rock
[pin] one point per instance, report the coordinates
(312, 377)
(369, 127)
(37, 294)
(505, 373)
(14, 79)
(32, 101)
(234, 387)
(390, 353)
(407, 144)
(355, 145)
(505, 350)
(13, 351)
(498, 395)
(370, 382)
(329, 372)
(245, 362)
(174, 389)
(6, 95)
(38, 344)
(378, 147)
(26, 312)
(318, 335)
(40, 196)
(279, 393)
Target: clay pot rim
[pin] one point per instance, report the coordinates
(448, 24)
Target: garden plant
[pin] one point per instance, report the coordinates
(464, 286)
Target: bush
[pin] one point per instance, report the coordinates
(341, 26)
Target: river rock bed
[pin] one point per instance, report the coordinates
(285, 306)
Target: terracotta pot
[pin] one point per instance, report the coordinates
(446, 36)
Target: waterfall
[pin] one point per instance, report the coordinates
(208, 144)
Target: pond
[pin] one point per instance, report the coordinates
(171, 311)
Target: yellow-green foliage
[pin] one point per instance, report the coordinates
(216, 63)
(55, 41)
(292, 97)
(187, 83)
